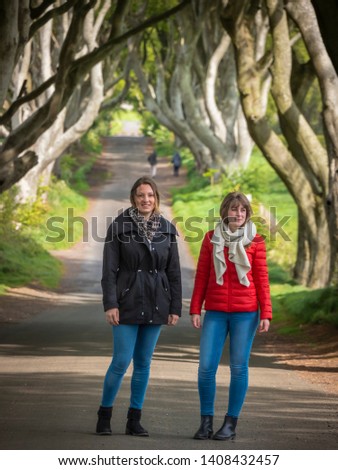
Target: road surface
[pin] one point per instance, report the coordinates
(52, 365)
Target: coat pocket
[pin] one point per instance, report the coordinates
(126, 285)
(164, 285)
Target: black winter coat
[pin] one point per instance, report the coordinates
(141, 279)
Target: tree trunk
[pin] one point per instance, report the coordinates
(314, 245)
(57, 139)
(158, 105)
(9, 41)
(215, 114)
(326, 68)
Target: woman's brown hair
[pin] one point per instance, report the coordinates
(232, 200)
(152, 184)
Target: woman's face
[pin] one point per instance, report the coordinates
(145, 200)
(236, 216)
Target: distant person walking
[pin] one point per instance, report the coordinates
(152, 159)
(233, 285)
(151, 153)
(176, 161)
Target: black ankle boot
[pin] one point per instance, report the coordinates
(103, 423)
(134, 427)
(205, 430)
(227, 431)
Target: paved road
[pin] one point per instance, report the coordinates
(52, 365)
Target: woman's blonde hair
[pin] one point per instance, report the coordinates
(152, 184)
(232, 200)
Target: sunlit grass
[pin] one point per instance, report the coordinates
(26, 241)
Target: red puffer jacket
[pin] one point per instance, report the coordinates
(232, 296)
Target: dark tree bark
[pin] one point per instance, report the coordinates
(327, 16)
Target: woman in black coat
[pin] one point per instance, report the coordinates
(142, 291)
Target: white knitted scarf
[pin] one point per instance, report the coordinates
(235, 241)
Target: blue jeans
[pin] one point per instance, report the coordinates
(241, 328)
(131, 342)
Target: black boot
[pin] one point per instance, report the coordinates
(134, 427)
(205, 430)
(227, 431)
(103, 423)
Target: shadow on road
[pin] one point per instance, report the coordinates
(53, 364)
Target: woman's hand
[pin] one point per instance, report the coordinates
(196, 321)
(172, 320)
(264, 326)
(113, 316)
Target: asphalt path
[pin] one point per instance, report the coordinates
(52, 366)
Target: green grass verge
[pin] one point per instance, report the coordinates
(25, 256)
(24, 261)
(30, 232)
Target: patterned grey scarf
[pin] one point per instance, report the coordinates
(146, 227)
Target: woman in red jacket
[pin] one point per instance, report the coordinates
(233, 284)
